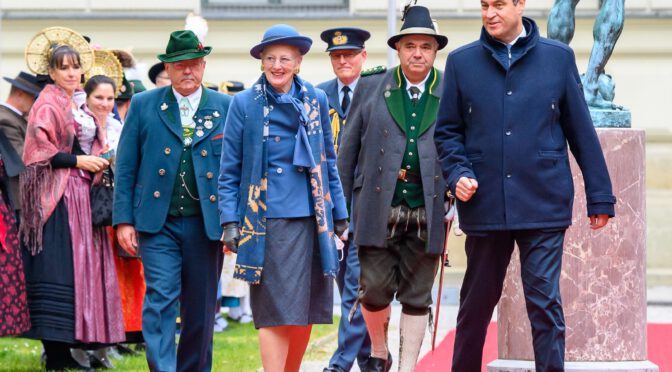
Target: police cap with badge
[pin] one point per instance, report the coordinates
(344, 38)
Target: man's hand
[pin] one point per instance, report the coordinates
(128, 238)
(465, 188)
(598, 221)
(339, 228)
(230, 237)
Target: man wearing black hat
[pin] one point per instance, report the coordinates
(157, 74)
(165, 204)
(511, 104)
(345, 46)
(25, 89)
(388, 164)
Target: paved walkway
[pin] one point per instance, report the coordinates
(659, 310)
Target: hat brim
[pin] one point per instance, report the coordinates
(22, 86)
(442, 40)
(184, 55)
(301, 42)
(344, 47)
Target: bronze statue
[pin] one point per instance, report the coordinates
(598, 87)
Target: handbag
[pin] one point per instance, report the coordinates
(101, 200)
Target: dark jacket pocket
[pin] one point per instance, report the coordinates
(137, 196)
(552, 154)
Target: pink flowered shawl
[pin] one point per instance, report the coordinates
(51, 129)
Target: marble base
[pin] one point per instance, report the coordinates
(611, 118)
(503, 365)
(603, 280)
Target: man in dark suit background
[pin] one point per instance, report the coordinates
(25, 88)
(347, 53)
(388, 164)
(511, 103)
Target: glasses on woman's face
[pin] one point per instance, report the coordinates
(271, 60)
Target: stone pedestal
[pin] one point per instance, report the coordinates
(603, 281)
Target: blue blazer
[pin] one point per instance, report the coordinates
(331, 88)
(506, 120)
(149, 154)
(243, 126)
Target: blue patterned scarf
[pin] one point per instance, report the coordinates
(309, 152)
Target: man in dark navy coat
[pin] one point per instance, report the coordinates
(347, 53)
(511, 103)
(165, 202)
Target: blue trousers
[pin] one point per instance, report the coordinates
(180, 263)
(488, 256)
(353, 338)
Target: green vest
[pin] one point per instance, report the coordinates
(184, 201)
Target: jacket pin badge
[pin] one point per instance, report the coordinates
(164, 107)
(199, 132)
(387, 94)
(215, 114)
(208, 124)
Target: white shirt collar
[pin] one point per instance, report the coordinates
(194, 98)
(420, 85)
(11, 108)
(522, 34)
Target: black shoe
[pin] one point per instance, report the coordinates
(333, 368)
(379, 365)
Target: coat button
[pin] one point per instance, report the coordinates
(157, 194)
(413, 114)
(204, 153)
(436, 178)
(412, 127)
(277, 138)
(508, 175)
(386, 133)
(279, 170)
(508, 132)
(300, 169)
(382, 151)
(209, 175)
(213, 198)
(508, 93)
(377, 188)
(166, 151)
(380, 169)
(162, 172)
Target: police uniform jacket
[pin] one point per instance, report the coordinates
(506, 119)
(373, 143)
(149, 154)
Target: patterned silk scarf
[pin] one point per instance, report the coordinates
(309, 152)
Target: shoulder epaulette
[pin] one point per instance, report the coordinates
(374, 71)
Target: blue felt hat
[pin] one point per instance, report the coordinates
(344, 38)
(282, 34)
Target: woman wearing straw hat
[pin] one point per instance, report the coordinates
(281, 199)
(73, 294)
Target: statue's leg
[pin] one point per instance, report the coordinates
(607, 29)
(561, 22)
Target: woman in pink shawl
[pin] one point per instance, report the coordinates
(73, 294)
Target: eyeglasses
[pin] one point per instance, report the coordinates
(347, 55)
(284, 61)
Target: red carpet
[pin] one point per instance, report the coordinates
(659, 340)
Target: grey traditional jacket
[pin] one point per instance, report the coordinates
(371, 153)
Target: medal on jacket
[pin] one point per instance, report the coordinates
(199, 132)
(187, 141)
(208, 124)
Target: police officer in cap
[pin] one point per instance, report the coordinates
(345, 46)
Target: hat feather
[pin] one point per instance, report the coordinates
(198, 25)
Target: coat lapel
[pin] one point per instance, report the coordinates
(394, 100)
(432, 104)
(169, 112)
(206, 112)
(332, 95)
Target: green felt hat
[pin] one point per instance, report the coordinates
(183, 45)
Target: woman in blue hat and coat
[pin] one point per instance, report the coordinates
(280, 199)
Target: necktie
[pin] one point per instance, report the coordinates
(415, 94)
(346, 98)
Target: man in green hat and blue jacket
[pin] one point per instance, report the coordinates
(165, 205)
